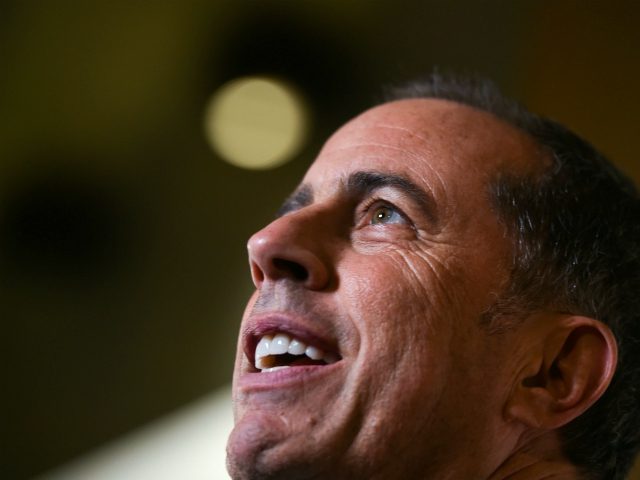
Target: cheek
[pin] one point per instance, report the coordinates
(402, 317)
(404, 289)
(381, 298)
(403, 361)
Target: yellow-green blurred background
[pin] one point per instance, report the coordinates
(122, 233)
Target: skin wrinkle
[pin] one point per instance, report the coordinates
(405, 401)
(535, 469)
(426, 142)
(420, 157)
(376, 394)
(399, 128)
(410, 269)
(428, 257)
(412, 155)
(432, 263)
(365, 397)
(415, 136)
(441, 190)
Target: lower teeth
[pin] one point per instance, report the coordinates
(273, 369)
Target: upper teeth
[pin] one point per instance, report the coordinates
(282, 343)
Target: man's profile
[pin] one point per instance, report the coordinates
(450, 293)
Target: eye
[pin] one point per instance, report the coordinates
(384, 214)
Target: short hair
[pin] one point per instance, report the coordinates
(575, 231)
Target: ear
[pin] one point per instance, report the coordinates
(565, 373)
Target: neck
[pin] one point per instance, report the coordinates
(534, 469)
(537, 460)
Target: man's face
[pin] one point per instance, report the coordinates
(383, 261)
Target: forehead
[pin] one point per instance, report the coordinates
(429, 140)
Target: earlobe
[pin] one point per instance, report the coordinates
(568, 373)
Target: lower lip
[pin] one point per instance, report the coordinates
(286, 377)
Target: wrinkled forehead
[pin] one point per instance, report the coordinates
(439, 136)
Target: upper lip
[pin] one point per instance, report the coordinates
(278, 322)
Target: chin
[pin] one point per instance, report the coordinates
(260, 447)
(264, 445)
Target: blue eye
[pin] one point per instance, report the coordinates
(385, 214)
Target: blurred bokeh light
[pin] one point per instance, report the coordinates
(256, 123)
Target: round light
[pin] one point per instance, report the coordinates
(256, 122)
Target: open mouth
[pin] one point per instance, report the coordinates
(279, 350)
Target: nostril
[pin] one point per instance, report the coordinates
(296, 270)
(256, 273)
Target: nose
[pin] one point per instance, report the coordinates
(290, 247)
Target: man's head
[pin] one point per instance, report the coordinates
(397, 262)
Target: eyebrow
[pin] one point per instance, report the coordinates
(302, 197)
(363, 183)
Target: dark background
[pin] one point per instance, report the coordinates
(122, 236)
